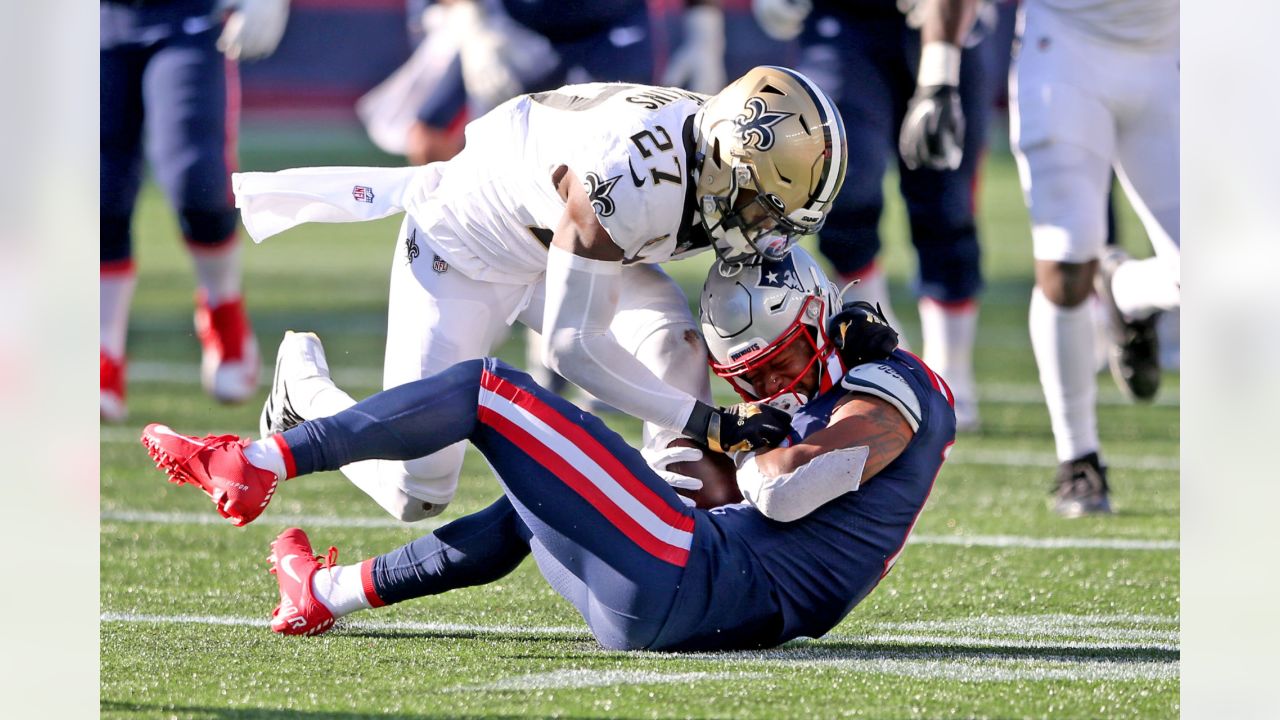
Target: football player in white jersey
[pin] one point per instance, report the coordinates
(555, 215)
(1096, 88)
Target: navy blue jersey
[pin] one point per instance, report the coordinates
(755, 582)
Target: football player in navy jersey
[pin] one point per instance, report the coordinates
(826, 515)
(168, 73)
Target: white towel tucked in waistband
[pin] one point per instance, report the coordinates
(272, 202)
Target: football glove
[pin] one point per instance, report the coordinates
(660, 459)
(254, 28)
(781, 19)
(861, 334)
(745, 426)
(698, 64)
(933, 129)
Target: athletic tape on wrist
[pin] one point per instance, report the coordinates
(939, 65)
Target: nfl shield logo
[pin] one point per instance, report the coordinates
(439, 265)
(362, 194)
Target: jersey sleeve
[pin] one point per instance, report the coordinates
(883, 381)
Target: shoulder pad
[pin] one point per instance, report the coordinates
(885, 382)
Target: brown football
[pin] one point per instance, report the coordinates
(717, 472)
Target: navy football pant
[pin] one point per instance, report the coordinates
(868, 65)
(607, 533)
(175, 89)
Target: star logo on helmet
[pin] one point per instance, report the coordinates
(780, 274)
(755, 125)
(598, 191)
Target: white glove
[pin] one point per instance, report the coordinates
(781, 19)
(698, 64)
(660, 458)
(254, 28)
(500, 57)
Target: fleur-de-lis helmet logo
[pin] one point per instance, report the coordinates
(755, 125)
(598, 191)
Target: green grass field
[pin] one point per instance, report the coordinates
(998, 608)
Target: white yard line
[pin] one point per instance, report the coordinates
(975, 658)
(324, 521)
(1008, 393)
(1034, 543)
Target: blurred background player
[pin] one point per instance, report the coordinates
(493, 50)
(1096, 88)
(168, 77)
(909, 80)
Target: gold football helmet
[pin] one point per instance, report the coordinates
(771, 157)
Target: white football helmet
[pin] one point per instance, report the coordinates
(752, 312)
(774, 132)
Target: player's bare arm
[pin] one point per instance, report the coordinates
(580, 231)
(947, 21)
(863, 420)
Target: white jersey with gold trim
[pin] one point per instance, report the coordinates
(492, 209)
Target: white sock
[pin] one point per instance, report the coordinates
(341, 589)
(115, 293)
(265, 455)
(873, 287)
(218, 271)
(1101, 331)
(1143, 287)
(1062, 339)
(949, 332)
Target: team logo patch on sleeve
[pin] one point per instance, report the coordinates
(755, 124)
(362, 193)
(598, 190)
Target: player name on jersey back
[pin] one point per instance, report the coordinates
(496, 206)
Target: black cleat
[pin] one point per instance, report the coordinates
(1081, 488)
(1134, 354)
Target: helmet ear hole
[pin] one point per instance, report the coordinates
(715, 153)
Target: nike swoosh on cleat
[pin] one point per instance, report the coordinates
(166, 430)
(286, 563)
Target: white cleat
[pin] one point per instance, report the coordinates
(300, 357)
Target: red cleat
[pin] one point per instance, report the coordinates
(111, 383)
(217, 465)
(229, 364)
(294, 564)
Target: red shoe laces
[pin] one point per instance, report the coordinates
(329, 560)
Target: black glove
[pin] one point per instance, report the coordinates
(745, 426)
(933, 129)
(861, 334)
